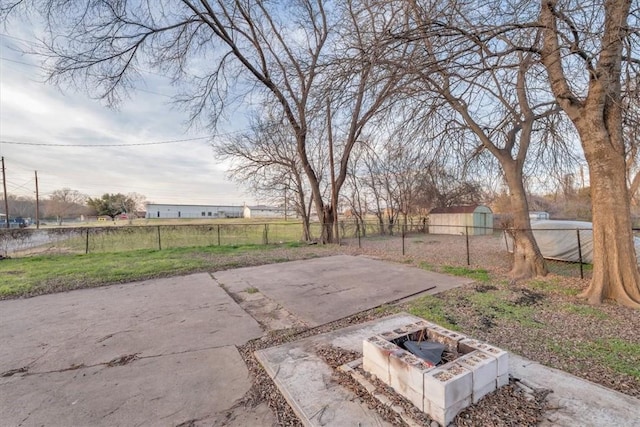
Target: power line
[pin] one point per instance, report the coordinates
(38, 144)
(133, 144)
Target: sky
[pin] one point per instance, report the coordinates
(67, 127)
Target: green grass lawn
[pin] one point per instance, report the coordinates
(53, 273)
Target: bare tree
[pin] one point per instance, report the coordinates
(64, 202)
(442, 187)
(585, 47)
(20, 206)
(265, 160)
(268, 48)
(496, 94)
(226, 49)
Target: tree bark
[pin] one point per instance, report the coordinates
(527, 259)
(615, 270)
(327, 220)
(598, 119)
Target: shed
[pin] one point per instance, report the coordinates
(474, 219)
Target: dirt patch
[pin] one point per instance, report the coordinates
(528, 297)
(482, 288)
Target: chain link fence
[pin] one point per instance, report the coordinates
(464, 245)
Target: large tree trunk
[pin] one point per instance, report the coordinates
(598, 119)
(615, 271)
(328, 220)
(527, 259)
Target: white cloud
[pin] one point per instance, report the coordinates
(185, 172)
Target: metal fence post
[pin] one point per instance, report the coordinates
(266, 234)
(359, 242)
(218, 234)
(580, 253)
(159, 241)
(466, 232)
(404, 229)
(86, 245)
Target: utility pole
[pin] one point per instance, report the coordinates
(37, 203)
(6, 201)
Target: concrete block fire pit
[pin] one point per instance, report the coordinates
(469, 370)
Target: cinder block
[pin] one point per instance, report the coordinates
(468, 345)
(448, 384)
(378, 371)
(502, 357)
(502, 380)
(409, 329)
(479, 393)
(426, 405)
(483, 367)
(444, 336)
(445, 416)
(375, 356)
(406, 375)
(425, 324)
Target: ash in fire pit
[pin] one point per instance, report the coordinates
(438, 370)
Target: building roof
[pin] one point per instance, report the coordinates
(195, 206)
(266, 208)
(454, 209)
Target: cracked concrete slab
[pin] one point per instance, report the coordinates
(174, 340)
(153, 391)
(346, 284)
(91, 326)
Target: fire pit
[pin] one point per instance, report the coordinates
(467, 370)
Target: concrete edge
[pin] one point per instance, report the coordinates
(531, 364)
(259, 354)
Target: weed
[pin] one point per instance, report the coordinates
(616, 354)
(426, 266)
(432, 308)
(252, 290)
(552, 285)
(387, 309)
(479, 274)
(495, 305)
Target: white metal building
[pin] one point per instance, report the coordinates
(472, 219)
(263, 211)
(155, 210)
